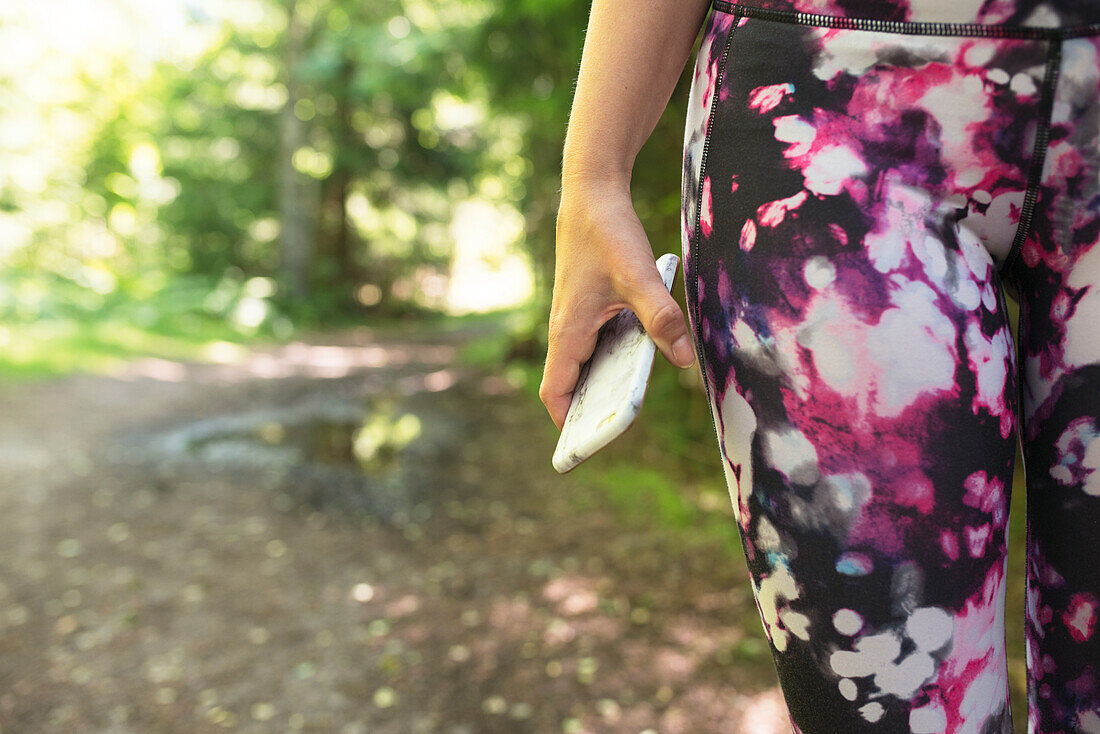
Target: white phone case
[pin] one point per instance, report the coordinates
(612, 383)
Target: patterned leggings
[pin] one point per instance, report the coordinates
(863, 182)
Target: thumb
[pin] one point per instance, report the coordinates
(662, 318)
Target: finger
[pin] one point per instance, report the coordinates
(570, 346)
(660, 315)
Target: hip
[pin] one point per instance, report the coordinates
(1027, 18)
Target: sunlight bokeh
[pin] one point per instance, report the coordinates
(144, 161)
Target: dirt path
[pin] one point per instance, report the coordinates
(187, 548)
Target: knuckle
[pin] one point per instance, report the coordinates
(666, 320)
(565, 331)
(554, 344)
(624, 280)
(553, 335)
(559, 317)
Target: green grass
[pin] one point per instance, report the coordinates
(653, 495)
(50, 347)
(55, 347)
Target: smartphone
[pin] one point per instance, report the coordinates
(611, 384)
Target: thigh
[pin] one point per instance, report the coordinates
(855, 346)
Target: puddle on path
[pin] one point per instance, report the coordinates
(372, 445)
(379, 454)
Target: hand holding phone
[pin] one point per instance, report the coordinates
(612, 383)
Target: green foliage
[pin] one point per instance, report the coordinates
(650, 494)
(150, 186)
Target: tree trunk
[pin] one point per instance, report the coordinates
(335, 239)
(345, 139)
(296, 240)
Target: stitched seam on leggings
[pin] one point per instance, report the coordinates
(699, 211)
(927, 28)
(1038, 156)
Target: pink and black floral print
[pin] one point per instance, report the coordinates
(863, 183)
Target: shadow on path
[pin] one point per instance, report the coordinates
(351, 535)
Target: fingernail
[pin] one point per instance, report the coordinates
(683, 352)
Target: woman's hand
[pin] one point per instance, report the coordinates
(604, 264)
(634, 52)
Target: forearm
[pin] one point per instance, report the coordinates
(634, 53)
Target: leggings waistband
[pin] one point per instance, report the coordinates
(1024, 18)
